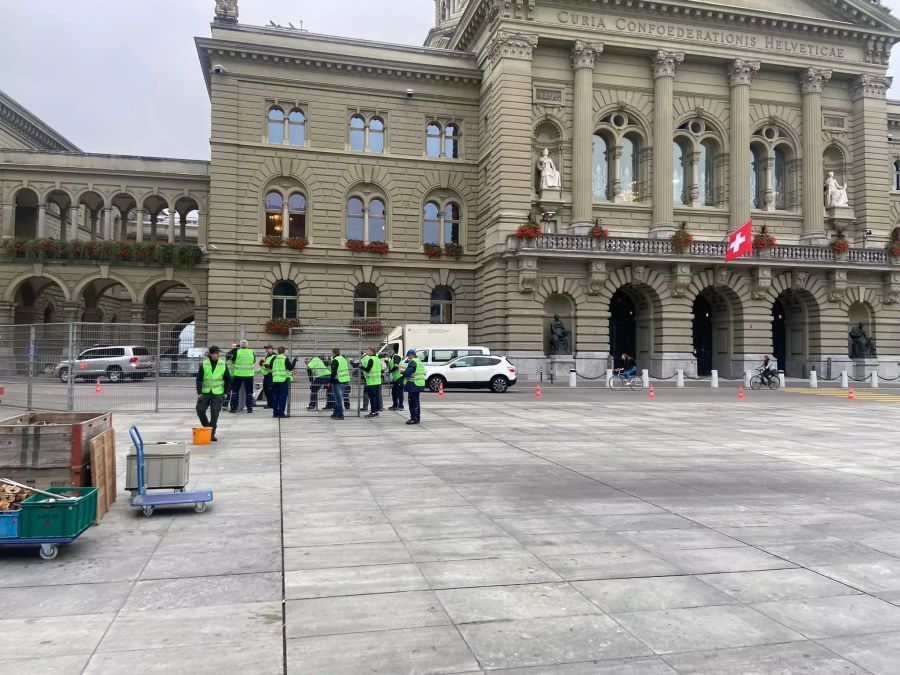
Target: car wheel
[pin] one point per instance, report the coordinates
(114, 374)
(435, 381)
(64, 375)
(499, 384)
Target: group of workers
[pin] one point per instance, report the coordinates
(235, 374)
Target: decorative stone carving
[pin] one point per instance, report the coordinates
(583, 53)
(513, 45)
(550, 178)
(837, 285)
(812, 80)
(799, 280)
(640, 273)
(835, 193)
(762, 282)
(721, 277)
(527, 274)
(597, 276)
(681, 279)
(892, 288)
(869, 86)
(227, 11)
(742, 71)
(665, 63)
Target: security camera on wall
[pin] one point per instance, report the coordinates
(409, 93)
(219, 69)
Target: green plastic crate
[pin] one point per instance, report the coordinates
(43, 519)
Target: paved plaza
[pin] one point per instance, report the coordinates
(587, 532)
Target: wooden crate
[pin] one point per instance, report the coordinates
(37, 446)
(103, 470)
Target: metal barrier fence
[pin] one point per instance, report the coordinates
(108, 367)
(310, 395)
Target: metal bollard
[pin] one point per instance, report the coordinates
(573, 378)
(748, 375)
(874, 380)
(714, 379)
(609, 374)
(781, 379)
(845, 380)
(645, 376)
(813, 380)
(679, 379)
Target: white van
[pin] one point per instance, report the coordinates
(432, 356)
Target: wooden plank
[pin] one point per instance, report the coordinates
(103, 471)
(113, 492)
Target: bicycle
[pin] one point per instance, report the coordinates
(757, 383)
(618, 382)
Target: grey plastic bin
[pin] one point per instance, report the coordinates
(166, 465)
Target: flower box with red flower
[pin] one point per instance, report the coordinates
(530, 231)
(281, 326)
(297, 243)
(598, 232)
(378, 247)
(368, 326)
(432, 250)
(273, 240)
(764, 240)
(356, 245)
(682, 239)
(453, 250)
(840, 245)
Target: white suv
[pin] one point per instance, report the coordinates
(115, 363)
(472, 372)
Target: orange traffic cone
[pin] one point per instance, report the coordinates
(537, 392)
(740, 392)
(98, 389)
(651, 394)
(440, 390)
(850, 394)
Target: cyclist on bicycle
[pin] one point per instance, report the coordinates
(627, 367)
(768, 369)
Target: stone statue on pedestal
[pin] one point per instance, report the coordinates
(550, 178)
(560, 337)
(861, 345)
(227, 10)
(835, 194)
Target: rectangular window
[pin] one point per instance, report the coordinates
(297, 225)
(140, 351)
(365, 309)
(355, 227)
(443, 355)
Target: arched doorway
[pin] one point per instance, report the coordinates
(796, 334)
(634, 311)
(779, 335)
(26, 218)
(717, 330)
(703, 335)
(622, 326)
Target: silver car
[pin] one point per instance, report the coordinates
(115, 363)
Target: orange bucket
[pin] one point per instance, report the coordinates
(202, 435)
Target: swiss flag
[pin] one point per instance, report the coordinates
(740, 242)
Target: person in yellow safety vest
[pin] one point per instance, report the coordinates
(340, 380)
(265, 368)
(242, 377)
(395, 373)
(370, 365)
(213, 379)
(414, 376)
(318, 374)
(282, 377)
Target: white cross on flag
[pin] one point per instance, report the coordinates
(740, 242)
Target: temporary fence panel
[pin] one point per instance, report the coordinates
(312, 396)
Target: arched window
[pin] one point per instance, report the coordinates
(433, 139)
(757, 177)
(441, 223)
(274, 214)
(773, 173)
(297, 127)
(442, 305)
(451, 141)
(276, 125)
(48, 313)
(365, 301)
(680, 173)
(357, 133)
(376, 135)
(707, 172)
(780, 178)
(284, 300)
(366, 219)
(297, 215)
(897, 175)
(629, 171)
(600, 168)
(697, 180)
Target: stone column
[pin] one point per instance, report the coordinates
(41, 221)
(741, 75)
(664, 66)
(153, 218)
(9, 221)
(171, 237)
(202, 234)
(69, 312)
(285, 220)
(870, 174)
(95, 218)
(107, 223)
(72, 229)
(583, 54)
(138, 225)
(812, 80)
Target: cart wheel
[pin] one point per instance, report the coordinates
(48, 551)
(200, 507)
(147, 510)
(181, 489)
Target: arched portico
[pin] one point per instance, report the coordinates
(718, 331)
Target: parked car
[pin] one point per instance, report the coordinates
(440, 355)
(185, 364)
(113, 362)
(472, 372)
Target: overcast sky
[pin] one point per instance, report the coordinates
(122, 76)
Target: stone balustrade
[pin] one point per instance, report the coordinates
(632, 246)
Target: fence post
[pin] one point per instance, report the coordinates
(813, 380)
(714, 379)
(845, 380)
(70, 387)
(573, 378)
(748, 375)
(156, 367)
(679, 379)
(874, 379)
(29, 364)
(645, 376)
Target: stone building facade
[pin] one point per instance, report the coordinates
(656, 116)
